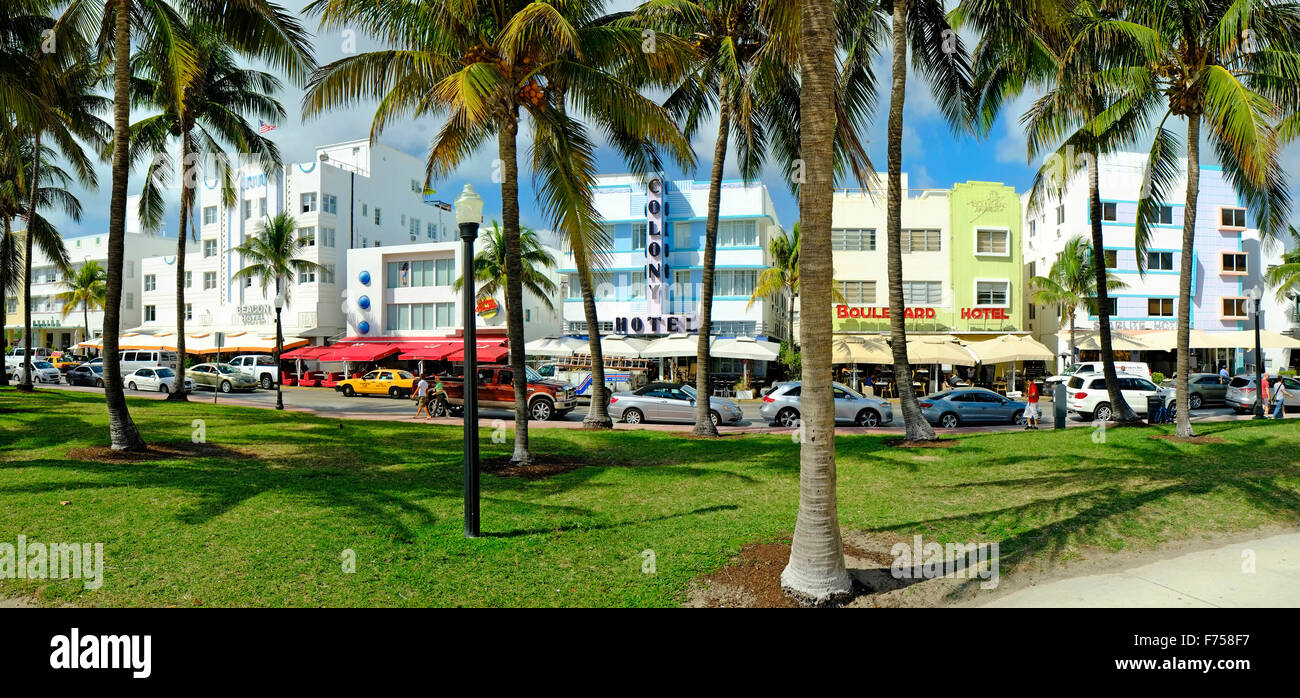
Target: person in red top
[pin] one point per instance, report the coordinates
(1031, 410)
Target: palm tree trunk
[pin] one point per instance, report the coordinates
(4, 316)
(789, 328)
(917, 428)
(506, 147)
(122, 430)
(703, 424)
(1121, 411)
(182, 234)
(816, 572)
(1183, 429)
(598, 412)
(1074, 343)
(25, 384)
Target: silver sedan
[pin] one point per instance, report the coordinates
(781, 405)
(669, 402)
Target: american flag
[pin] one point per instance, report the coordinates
(263, 127)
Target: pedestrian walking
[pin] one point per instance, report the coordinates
(1265, 391)
(1280, 394)
(438, 397)
(1223, 373)
(1031, 409)
(421, 394)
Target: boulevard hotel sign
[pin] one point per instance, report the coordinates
(655, 321)
(846, 312)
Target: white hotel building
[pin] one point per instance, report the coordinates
(352, 196)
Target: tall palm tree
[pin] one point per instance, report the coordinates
(258, 30)
(486, 65)
(816, 572)
(747, 67)
(1228, 65)
(939, 55)
(490, 266)
(86, 288)
(1045, 44)
(208, 113)
(1072, 282)
(271, 259)
(781, 279)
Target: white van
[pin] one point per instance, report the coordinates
(1132, 368)
(133, 359)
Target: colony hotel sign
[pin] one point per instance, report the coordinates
(656, 271)
(845, 312)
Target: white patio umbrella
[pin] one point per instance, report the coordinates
(745, 348)
(618, 345)
(1009, 348)
(860, 349)
(555, 346)
(675, 346)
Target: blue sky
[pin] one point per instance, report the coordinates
(932, 155)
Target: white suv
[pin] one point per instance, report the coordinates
(1132, 368)
(259, 366)
(1089, 399)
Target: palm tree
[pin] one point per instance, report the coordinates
(939, 55)
(1285, 277)
(208, 113)
(1071, 282)
(86, 288)
(271, 256)
(490, 266)
(816, 571)
(1044, 44)
(1229, 65)
(782, 278)
(486, 65)
(256, 29)
(747, 67)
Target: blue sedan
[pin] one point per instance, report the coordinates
(963, 406)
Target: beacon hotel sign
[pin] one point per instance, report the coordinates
(655, 320)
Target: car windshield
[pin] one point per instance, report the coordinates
(938, 396)
(165, 373)
(852, 393)
(533, 375)
(96, 369)
(225, 368)
(42, 364)
(689, 390)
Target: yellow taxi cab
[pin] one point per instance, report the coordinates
(64, 361)
(392, 382)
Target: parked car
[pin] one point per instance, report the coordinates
(781, 405)
(260, 366)
(1132, 368)
(15, 355)
(66, 362)
(133, 359)
(86, 374)
(42, 372)
(1240, 395)
(221, 377)
(1205, 388)
(157, 379)
(669, 402)
(1088, 398)
(547, 399)
(392, 382)
(963, 406)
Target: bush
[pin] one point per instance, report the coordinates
(793, 361)
(1288, 372)
(1158, 377)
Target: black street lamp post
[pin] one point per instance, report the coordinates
(469, 213)
(279, 348)
(1254, 296)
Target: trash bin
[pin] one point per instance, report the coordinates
(1154, 403)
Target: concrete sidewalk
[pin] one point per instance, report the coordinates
(1214, 578)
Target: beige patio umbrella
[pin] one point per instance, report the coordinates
(555, 346)
(938, 349)
(860, 349)
(1245, 339)
(1009, 348)
(676, 346)
(618, 345)
(1089, 340)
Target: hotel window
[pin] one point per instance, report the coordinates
(602, 285)
(399, 275)
(415, 186)
(150, 282)
(209, 215)
(307, 276)
(247, 208)
(330, 204)
(1234, 308)
(189, 311)
(853, 239)
(248, 282)
(150, 313)
(209, 248)
(446, 314)
(413, 228)
(130, 302)
(638, 236)
(920, 241)
(922, 293)
(858, 292)
(1160, 261)
(379, 218)
(445, 270)
(327, 273)
(1060, 214)
(1112, 258)
(261, 207)
(636, 285)
(363, 211)
(189, 279)
(1166, 215)
(737, 234)
(327, 237)
(1109, 212)
(1112, 306)
(1233, 263)
(307, 236)
(308, 202)
(992, 293)
(430, 231)
(1232, 218)
(1160, 307)
(734, 282)
(996, 242)
(1033, 228)
(209, 280)
(682, 235)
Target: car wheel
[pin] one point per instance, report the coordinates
(633, 416)
(394, 392)
(949, 421)
(715, 418)
(541, 410)
(1195, 401)
(348, 391)
(131, 385)
(99, 383)
(162, 388)
(787, 417)
(266, 381)
(226, 387)
(1018, 418)
(868, 418)
(1102, 413)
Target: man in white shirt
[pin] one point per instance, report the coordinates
(422, 394)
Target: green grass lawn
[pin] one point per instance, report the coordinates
(265, 521)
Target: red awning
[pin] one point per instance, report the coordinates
(486, 353)
(308, 352)
(360, 352)
(429, 351)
